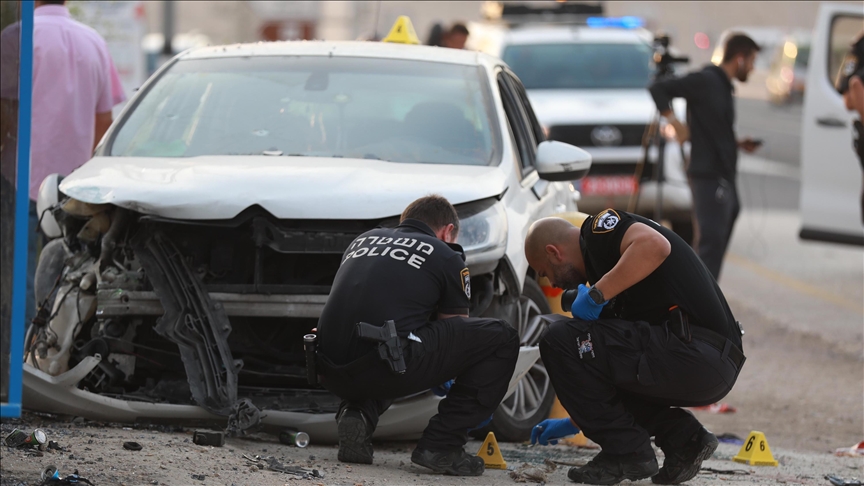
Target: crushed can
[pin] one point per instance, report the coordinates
(50, 473)
(19, 438)
(294, 438)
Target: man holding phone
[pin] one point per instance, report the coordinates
(714, 154)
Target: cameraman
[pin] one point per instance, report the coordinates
(714, 154)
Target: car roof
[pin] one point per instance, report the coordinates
(383, 50)
(560, 34)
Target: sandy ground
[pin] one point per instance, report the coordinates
(170, 458)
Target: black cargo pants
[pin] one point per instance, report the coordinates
(716, 207)
(621, 382)
(479, 353)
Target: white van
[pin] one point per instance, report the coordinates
(830, 172)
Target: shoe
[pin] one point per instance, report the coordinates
(683, 464)
(355, 437)
(605, 470)
(455, 463)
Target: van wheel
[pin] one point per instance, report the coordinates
(533, 399)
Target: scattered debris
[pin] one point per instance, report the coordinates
(53, 446)
(19, 438)
(199, 477)
(271, 463)
(531, 473)
(294, 437)
(728, 438)
(725, 471)
(132, 446)
(856, 450)
(244, 417)
(54, 478)
(716, 408)
(209, 438)
(838, 481)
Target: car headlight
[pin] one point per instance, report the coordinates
(484, 232)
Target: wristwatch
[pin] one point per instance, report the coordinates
(596, 295)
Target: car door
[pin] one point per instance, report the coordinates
(550, 197)
(830, 172)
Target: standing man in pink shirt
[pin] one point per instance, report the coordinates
(75, 85)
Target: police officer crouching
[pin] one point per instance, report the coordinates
(653, 333)
(415, 276)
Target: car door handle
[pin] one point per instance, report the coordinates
(831, 122)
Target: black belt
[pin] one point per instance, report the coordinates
(354, 368)
(720, 343)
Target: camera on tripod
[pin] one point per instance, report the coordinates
(663, 59)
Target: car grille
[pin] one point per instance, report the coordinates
(580, 135)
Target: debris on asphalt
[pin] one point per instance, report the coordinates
(19, 438)
(294, 437)
(531, 473)
(132, 446)
(856, 450)
(199, 477)
(54, 478)
(716, 408)
(733, 472)
(54, 446)
(730, 439)
(273, 464)
(838, 481)
(209, 438)
(244, 418)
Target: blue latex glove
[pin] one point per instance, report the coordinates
(550, 430)
(443, 389)
(584, 307)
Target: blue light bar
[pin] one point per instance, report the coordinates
(626, 22)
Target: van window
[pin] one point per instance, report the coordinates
(844, 30)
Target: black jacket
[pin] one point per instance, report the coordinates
(711, 117)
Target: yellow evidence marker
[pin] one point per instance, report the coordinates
(491, 453)
(755, 451)
(402, 32)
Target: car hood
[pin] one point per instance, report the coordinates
(220, 187)
(592, 106)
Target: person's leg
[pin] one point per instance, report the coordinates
(481, 355)
(585, 385)
(356, 422)
(668, 425)
(713, 204)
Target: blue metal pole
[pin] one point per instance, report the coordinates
(22, 209)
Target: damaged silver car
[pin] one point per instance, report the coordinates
(191, 254)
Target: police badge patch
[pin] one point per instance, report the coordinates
(466, 282)
(585, 346)
(605, 221)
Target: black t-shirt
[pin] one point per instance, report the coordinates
(682, 279)
(404, 274)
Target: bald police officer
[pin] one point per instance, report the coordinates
(653, 333)
(414, 275)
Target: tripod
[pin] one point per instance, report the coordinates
(653, 136)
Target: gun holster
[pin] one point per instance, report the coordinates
(679, 325)
(389, 344)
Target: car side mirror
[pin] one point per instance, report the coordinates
(558, 161)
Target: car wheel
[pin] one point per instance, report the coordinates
(533, 399)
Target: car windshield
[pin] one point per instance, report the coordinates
(385, 109)
(581, 66)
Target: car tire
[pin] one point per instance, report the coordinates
(534, 396)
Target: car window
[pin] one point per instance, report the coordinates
(527, 109)
(581, 66)
(516, 120)
(844, 30)
(387, 109)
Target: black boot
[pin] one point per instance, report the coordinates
(604, 469)
(683, 463)
(455, 463)
(355, 437)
